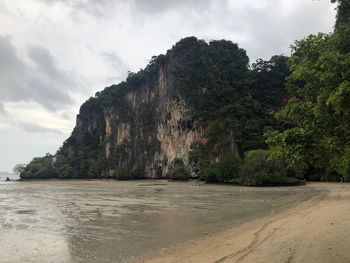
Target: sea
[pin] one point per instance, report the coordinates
(12, 176)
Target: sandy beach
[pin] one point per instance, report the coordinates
(315, 231)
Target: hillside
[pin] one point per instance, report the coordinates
(190, 108)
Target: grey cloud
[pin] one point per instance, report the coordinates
(2, 109)
(45, 62)
(102, 7)
(67, 115)
(114, 60)
(158, 6)
(43, 83)
(116, 64)
(36, 128)
(93, 7)
(3, 9)
(268, 28)
(10, 119)
(264, 27)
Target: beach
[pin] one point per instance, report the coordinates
(121, 221)
(316, 231)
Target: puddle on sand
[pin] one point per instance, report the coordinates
(110, 221)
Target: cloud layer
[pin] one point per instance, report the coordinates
(38, 79)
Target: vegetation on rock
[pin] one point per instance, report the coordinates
(218, 96)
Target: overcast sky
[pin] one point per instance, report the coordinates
(55, 54)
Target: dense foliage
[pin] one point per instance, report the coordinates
(225, 171)
(179, 171)
(259, 170)
(40, 168)
(317, 118)
(228, 97)
(19, 168)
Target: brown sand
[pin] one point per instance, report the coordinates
(316, 231)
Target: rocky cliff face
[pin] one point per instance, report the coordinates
(187, 109)
(152, 125)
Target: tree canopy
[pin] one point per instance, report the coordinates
(317, 117)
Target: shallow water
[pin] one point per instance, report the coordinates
(10, 176)
(110, 221)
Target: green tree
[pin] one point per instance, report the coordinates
(19, 168)
(269, 77)
(225, 171)
(40, 168)
(179, 172)
(317, 118)
(258, 169)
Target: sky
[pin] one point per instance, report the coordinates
(55, 54)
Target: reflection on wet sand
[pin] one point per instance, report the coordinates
(109, 221)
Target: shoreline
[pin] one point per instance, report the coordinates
(314, 231)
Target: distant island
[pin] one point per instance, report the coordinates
(202, 111)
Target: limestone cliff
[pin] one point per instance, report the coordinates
(189, 107)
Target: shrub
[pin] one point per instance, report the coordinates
(40, 168)
(211, 174)
(138, 171)
(227, 170)
(123, 174)
(259, 170)
(342, 164)
(179, 172)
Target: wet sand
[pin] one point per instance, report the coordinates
(110, 221)
(316, 231)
